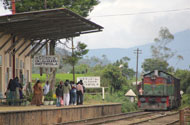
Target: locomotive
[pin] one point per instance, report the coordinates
(159, 91)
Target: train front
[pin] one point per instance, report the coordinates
(157, 91)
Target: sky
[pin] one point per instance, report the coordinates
(128, 28)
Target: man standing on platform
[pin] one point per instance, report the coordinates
(79, 93)
(45, 90)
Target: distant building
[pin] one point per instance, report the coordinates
(131, 95)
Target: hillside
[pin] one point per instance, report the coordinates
(180, 45)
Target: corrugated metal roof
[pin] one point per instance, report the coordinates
(47, 24)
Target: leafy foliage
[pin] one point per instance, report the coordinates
(127, 106)
(184, 76)
(114, 75)
(123, 65)
(82, 7)
(161, 53)
(77, 54)
(81, 69)
(160, 50)
(154, 64)
(186, 100)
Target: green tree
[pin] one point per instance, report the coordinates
(114, 75)
(82, 7)
(123, 65)
(77, 54)
(154, 64)
(184, 76)
(160, 49)
(81, 69)
(161, 53)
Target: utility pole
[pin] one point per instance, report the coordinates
(137, 52)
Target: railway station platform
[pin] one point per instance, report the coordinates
(49, 115)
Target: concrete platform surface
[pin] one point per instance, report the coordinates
(48, 115)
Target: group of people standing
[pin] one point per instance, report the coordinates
(69, 93)
(14, 92)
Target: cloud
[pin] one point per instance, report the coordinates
(129, 31)
(126, 31)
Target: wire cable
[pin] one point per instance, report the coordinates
(141, 13)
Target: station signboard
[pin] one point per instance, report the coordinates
(46, 61)
(90, 82)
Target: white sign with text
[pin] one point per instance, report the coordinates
(90, 82)
(46, 61)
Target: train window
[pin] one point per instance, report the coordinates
(164, 75)
(169, 80)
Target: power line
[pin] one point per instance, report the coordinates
(141, 13)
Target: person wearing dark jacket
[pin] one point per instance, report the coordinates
(7, 93)
(12, 87)
(59, 94)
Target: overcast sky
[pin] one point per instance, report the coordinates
(126, 31)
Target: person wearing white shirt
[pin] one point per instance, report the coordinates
(45, 90)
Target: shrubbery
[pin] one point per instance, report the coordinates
(127, 106)
(185, 100)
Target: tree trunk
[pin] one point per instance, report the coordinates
(73, 63)
(53, 70)
(74, 73)
(47, 73)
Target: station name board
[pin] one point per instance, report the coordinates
(46, 61)
(90, 82)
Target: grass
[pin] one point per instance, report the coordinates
(59, 76)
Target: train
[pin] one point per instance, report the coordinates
(159, 90)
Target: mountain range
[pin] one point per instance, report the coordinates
(180, 44)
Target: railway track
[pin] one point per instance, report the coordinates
(159, 118)
(162, 119)
(108, 119)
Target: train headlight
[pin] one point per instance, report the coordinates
(142, 100)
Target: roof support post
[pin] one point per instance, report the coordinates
(19, 47)
(37, 44)
(12, 46)
(26, 47)
(40, 48)
(6, 41)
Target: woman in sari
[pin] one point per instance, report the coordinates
(37, 97)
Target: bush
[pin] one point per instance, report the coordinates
(127, 106)
(188, 90)
(185, 100)
(49, 96)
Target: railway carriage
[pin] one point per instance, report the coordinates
(159, 91)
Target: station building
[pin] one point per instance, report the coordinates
(22, 35)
